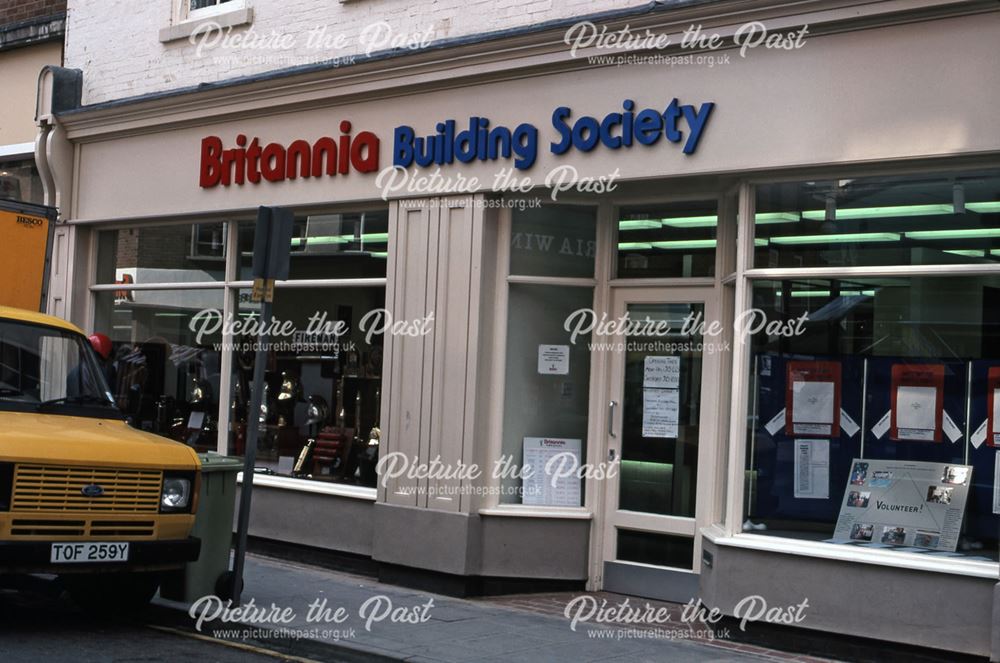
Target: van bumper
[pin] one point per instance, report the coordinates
(35, 557)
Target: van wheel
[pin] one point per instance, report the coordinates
(112, 593)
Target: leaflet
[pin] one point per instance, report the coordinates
(915, 412)
(812, 402)
(951, 429)
(996, 483)
(849, 425)
(996, 416)
(812, 469)
(660, 408)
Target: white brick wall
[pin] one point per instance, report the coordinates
(116, 44)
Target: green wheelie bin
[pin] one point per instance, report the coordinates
(213, 524)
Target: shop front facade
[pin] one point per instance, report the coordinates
(734, 323)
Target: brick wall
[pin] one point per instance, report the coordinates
(116, 42)
(15, 11)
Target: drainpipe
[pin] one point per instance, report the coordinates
(59, 89)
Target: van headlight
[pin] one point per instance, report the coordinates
(176, 494)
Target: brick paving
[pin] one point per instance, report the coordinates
(526, 627)
(553, 604)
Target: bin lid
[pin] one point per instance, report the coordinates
(213, 462)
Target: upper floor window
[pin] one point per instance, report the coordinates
(198, 8)
(190, 16)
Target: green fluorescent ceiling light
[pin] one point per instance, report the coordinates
(329, 239)
(764, 218)
(689, 244)
(709, 221)
(767, 218)
(827, 293)
(972, 253)
(692, 221)
(677, 244)
(639, 224)
(379, 254)
(845, 214)
(372, 238)
(836, 238)
(983, 208)
(962, 233)
(685, 244)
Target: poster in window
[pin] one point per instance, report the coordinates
(660, 412)
(993, 406)
(812, 398)
(917, 402)
(552, 480)
(904, 503)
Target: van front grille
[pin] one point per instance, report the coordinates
(121, 528)
(37, 527)
(43, 488)
(47, 527)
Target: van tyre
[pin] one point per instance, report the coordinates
(112, 593)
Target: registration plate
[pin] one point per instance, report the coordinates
(89, 552)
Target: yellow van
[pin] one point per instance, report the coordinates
(82, 494)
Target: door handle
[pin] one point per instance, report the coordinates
(611, 418)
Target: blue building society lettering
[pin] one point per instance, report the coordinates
(477, 141)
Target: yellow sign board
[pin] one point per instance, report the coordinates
(24, 240)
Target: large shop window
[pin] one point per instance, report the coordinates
(160, 295)
(321, 414)
(163, 375)
(875, 400)
(675, 240)
(179, 254)
(547, 368)
(929, 220)
(329, 246)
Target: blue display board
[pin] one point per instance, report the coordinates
(773, 453)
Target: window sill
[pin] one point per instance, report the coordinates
(520, 511)
(308, 486)
(898, 560)
(227, 19)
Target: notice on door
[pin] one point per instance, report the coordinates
(660, 408)
(904, 503)
(661, 372)
(553, 359)
(549, 483)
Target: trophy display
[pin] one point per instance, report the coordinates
(316, 414)
(369, 456)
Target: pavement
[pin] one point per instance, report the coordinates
(297, 612)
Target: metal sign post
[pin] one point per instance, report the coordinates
(272, 241)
